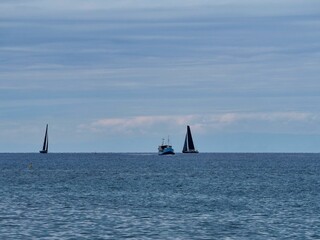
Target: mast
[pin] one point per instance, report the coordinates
(47, 147)
(185, 146)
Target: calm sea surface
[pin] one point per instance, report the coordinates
(146, 196)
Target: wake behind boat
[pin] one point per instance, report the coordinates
(188, 146)
(165, 149)
(45, 142)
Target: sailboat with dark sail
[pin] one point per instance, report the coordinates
(45, 142)
(188, 146)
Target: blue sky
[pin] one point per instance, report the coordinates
(118, 76)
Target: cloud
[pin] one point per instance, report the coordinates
(205, 123)
(138, 124)
(229, 118)
(140, 9)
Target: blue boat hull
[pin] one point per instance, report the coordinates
(167, 151)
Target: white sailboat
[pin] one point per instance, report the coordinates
(188, 146)
(45, 142)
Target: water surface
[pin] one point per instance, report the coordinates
(146, 196)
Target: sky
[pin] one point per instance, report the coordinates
(120, 75)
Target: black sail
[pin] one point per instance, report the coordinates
(47, 145)
(188, 146)
(190, 141)
(45, 142)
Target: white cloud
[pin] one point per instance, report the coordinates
(138, 124)
(205, 124)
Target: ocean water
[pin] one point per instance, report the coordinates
(146, 196)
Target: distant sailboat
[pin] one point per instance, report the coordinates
(188, 146)
(45, 142)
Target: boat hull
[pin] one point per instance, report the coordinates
(43, 151)
(166, 153)
(190, 151)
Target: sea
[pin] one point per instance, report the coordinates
(146, 196)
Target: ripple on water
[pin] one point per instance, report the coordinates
(136, 196)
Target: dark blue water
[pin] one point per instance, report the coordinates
(146, 196)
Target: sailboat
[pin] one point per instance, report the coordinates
(188, 146)
(45, 142)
